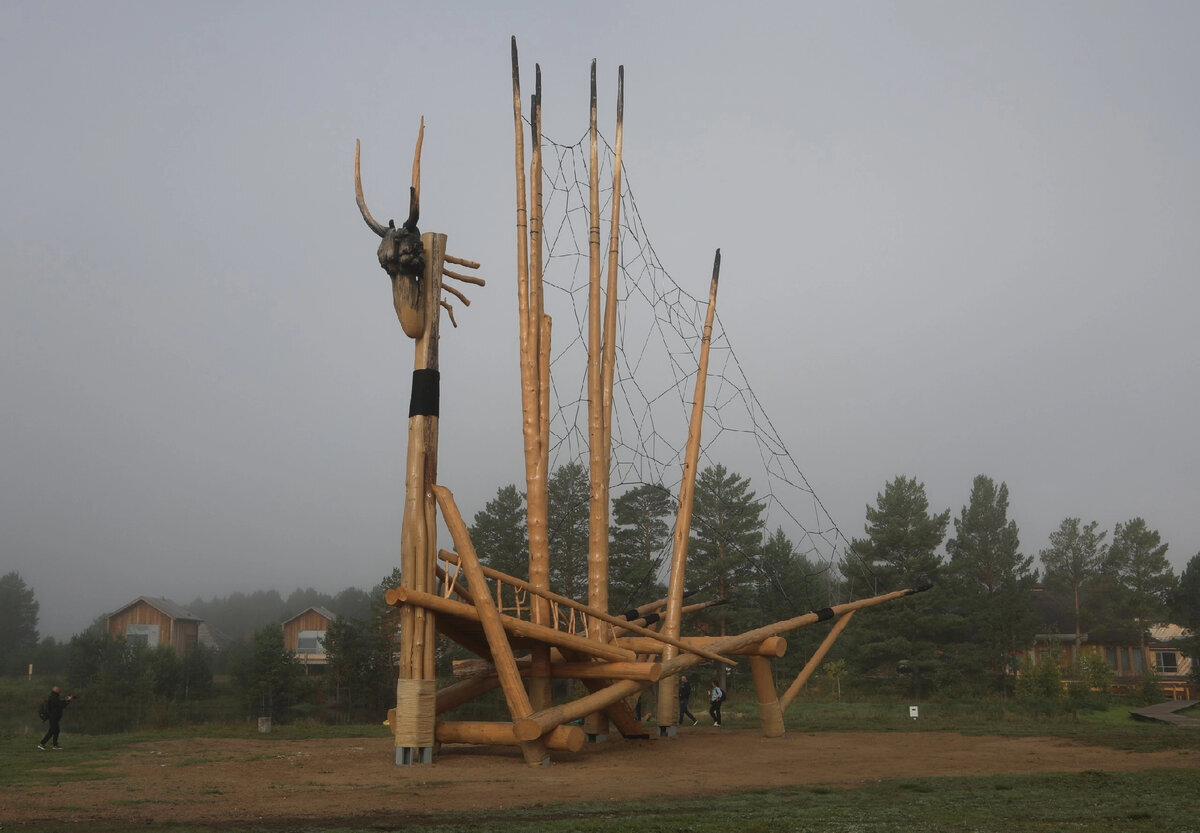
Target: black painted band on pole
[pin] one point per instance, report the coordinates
(426, 393)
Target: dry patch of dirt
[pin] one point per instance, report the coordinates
(277, 783)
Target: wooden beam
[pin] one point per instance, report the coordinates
(768, 704)
(464, 691)
(563, 738)
(594, 612)
(813, 661)
(650, 671)
(513, 625)
(774, 646)
(542, 721)
(506, 666)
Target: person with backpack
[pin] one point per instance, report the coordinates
(685, 694)
(52, 710)
(716, 698)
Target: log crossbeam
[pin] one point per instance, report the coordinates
(589, 611)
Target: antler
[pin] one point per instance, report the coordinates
(372, 223)
(414, 193)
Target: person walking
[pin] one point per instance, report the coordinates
(685, 694)
(716, 697)
(55, 704)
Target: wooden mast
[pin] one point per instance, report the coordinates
(610, 299)
(537, 490)
(668, 687)
(598, 464)
(533, 330)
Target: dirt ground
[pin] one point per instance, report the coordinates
(353, 782)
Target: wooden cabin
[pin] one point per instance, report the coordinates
(1173, 667)
(154, 622)
(1162, 654)
(304, 635)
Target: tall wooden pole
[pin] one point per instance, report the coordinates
(668, 687)
(534, 349)
(417, 681)
(610, 298)
(537, 487)
(597, 727)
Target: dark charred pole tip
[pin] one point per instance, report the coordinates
(717, 267)
(516, 67)
(414, 209)
(534, 106)
(621, 94)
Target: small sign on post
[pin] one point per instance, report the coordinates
(912, 712)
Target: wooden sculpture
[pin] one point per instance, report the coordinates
(416, 263)
(542, 635)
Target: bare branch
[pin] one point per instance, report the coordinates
(457, 294)
(461, 261)
(464, 278)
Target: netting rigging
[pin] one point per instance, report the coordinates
(659, 331)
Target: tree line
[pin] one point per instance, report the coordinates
(989, 597)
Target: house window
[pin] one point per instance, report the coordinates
(1166, 662)
(1139, 659)
(311, 642)
(142, 635)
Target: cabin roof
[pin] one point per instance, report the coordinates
(175, 611)
(318, 609)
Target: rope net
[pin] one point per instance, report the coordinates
(659, 331)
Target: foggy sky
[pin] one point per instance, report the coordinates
(957, 239)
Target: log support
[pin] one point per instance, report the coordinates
(768, 705)
(815, 660)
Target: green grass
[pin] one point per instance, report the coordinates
(1140, 802)
(1112, 727)
(1131, 802)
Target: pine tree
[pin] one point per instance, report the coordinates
(640, 543)
(1137, 563)
(725, 539)
(499, 533)
(567, 530)
(1185, 601)
(789, 584)
(991, 582)
(18, 624)
(900, 550)
(1072, 561)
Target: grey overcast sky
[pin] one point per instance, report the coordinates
(957, 239)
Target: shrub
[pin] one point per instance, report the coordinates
(1041, 680)
(1150, 690)
(1095, 671)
